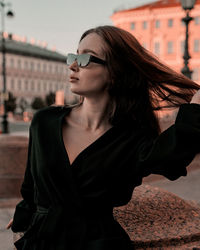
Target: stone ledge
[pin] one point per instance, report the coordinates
(157, 219)
(9, 202)
(13, 155)
(13, 140)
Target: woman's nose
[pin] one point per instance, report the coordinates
(74, 66)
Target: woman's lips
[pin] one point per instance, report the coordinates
(73, 79)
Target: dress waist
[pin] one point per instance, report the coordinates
(41, 210)
(86, 225)
(88, 213)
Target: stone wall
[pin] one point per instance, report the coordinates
(13, 155)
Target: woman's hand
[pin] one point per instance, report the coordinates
(196, 97)
(9, 224)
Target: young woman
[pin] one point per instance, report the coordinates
(85, 159)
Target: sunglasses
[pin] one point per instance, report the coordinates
(83, 59)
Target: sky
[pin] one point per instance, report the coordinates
(60, 23)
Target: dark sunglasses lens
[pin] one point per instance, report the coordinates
(83, 60)
(70, 59)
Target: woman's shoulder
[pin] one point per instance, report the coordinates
(48, 113)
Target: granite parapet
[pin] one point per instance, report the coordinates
(157, 219)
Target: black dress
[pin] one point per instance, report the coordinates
(69, 207)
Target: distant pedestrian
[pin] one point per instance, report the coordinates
(85, 159)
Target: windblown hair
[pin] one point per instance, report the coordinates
(140, 83)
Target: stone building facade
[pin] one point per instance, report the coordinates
(34, 71)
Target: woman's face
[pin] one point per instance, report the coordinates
(92, 80)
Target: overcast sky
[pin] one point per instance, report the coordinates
(60, 23)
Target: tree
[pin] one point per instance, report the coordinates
(50, 98)
(11, 103)
(37, 103)
(23, 104)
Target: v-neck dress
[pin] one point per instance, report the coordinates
(69, 206)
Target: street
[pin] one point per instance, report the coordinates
(17, 127)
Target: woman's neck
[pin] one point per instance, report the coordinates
(93, 114)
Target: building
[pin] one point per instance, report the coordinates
(33, 71)
(159, 28)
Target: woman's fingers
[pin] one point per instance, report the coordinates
(9, 224)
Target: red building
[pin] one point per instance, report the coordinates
(159, 28)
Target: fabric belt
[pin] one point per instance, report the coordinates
(52, 226)
(94, 213)
(41, 210)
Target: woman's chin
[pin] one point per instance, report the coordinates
(75, 91)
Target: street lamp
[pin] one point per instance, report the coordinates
(187, 5)
(9, 13)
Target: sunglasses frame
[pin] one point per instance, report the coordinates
(90, 58)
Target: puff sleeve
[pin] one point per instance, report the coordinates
(173, 150)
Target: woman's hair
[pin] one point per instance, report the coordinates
(140, 84)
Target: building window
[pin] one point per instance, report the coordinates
(195, 74)
(197, 20)
(132, 26)
(25, 64)
(182, 23)
(170, 47)
(44, 67)
(19, 63)
(50, 87)
(144, 25)
(56, 87)
(44, 86)
(39, 86)
(26, 85)
(32, 86)
(50, 68)
(157, 48)
(61, 69)
(38, 66)
(11, 62)
(32, 66)
(182, 47)
(144, 45)
(12, 84)
(196, 45)
(170, 22)
(157, 24)
(19, 85)
(56, 68)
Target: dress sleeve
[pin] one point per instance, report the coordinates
(25, 208)
(174, 149)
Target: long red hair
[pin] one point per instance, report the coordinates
(140, 83)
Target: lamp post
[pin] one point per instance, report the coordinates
(187, 5)
(9, 13)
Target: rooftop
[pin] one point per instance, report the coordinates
(155, 5)
(27, 49)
